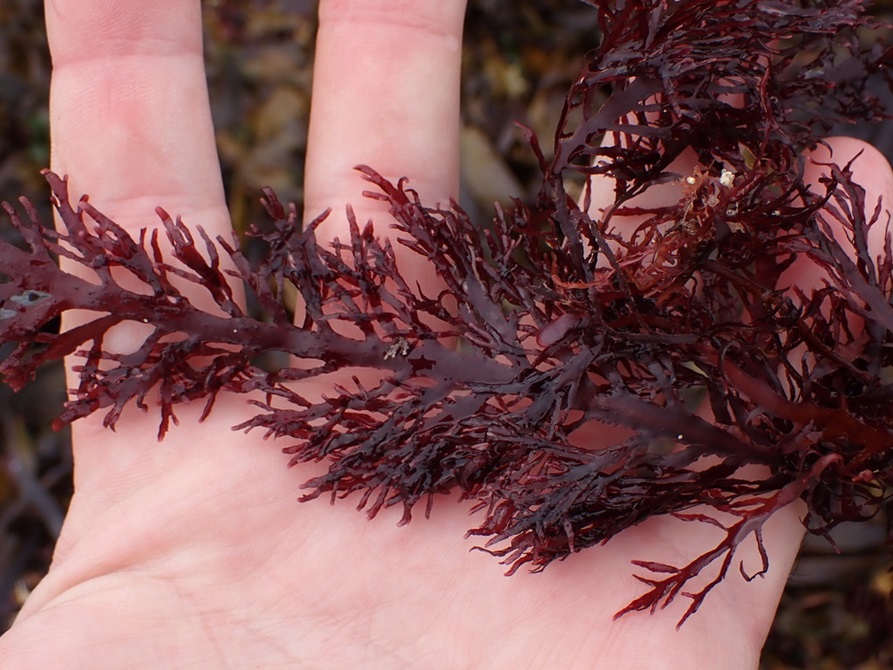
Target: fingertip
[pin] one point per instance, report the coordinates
(870, 167)
(870, 170)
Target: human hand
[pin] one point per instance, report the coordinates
(193, 551)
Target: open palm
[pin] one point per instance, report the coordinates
(192, 552)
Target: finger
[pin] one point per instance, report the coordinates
(386, 94)
(131, 126)
(129, 113)
(871, 171)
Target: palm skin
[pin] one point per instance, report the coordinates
(192, 552)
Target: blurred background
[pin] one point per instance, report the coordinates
(519, 60)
